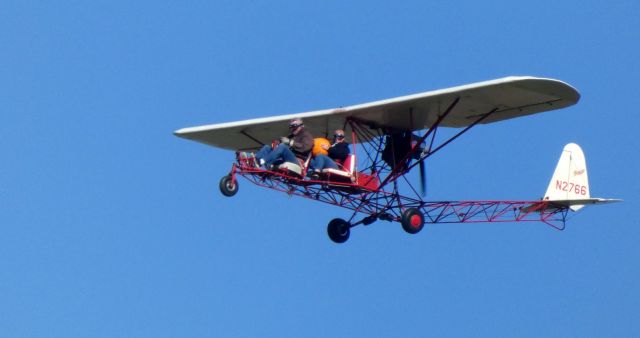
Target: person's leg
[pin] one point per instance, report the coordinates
(288, 155)
(329, 163)
(263, 152)
(324, 162)
(281, 152)
(318, 162)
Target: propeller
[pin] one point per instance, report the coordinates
(423, 179)
(422, 167)
(397, 145)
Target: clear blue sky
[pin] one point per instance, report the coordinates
(110, 226)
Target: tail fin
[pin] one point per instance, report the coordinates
(570, 180)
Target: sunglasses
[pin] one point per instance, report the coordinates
(338, 136)
(292, 126)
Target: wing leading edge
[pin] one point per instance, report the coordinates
(511, 96)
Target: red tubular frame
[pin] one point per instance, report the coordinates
(386, 203)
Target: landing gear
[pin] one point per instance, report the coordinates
(339, 230)
(412, 220)
(228, 186)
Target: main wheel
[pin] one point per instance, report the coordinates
(228, 187)
(339, 230)
(412, 220)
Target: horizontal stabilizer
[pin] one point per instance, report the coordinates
(581, 202)
(544, 206)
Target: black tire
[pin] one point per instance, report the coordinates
(412, 220)
(228, 187)
(338, 230)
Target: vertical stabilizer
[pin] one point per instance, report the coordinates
(570, 180)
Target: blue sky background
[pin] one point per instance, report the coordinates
(110, 226)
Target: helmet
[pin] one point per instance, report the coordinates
(294, 123)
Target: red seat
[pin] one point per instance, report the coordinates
(347, 169)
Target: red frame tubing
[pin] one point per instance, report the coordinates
(388, 205)
(376, 203)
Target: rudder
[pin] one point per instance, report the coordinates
(570, 179)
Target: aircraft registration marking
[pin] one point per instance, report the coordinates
(571, 187)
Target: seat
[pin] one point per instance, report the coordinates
(291, 167)
(299, 169)
(347, 170)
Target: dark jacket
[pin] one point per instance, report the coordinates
(339, 151)
(302, 144)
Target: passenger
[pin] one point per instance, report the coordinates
(297, 145)
(337, 152)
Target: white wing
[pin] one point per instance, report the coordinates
(512, 96)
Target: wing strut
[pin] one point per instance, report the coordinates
(402, 168)
(431, 152)
(251, 137)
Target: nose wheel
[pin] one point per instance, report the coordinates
(228, 186)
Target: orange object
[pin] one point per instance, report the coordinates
(317, 146)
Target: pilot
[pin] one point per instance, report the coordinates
(297, 145)
(338, 151)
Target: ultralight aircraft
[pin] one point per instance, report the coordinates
(368, 182)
